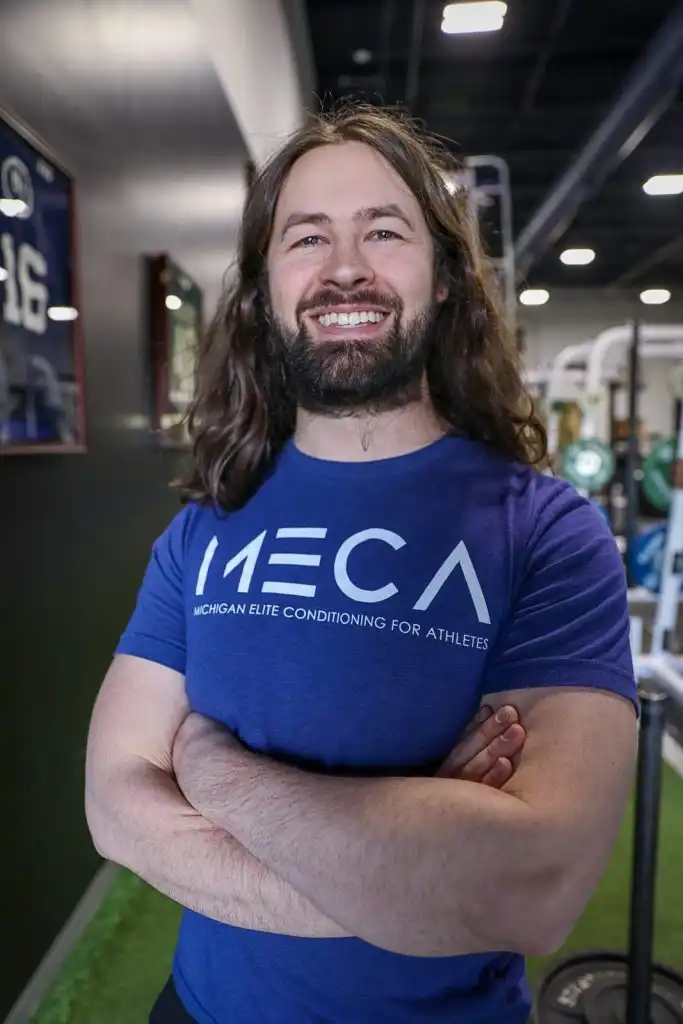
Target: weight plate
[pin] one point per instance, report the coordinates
(591, 989)
(657, 467)
(607, 1000)
(588, 464)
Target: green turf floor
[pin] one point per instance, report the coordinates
(123, 959)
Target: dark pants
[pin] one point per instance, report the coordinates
(168, 1009)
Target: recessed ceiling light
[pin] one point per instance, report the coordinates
(62, 314)
(534, 297)
(664, 185)
(655, 296)
(173, 302)
(361, 56)
(3, 274)
(484, 16)
(577, 257)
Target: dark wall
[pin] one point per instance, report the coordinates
(75, 533)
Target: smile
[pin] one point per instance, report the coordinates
(351, 319)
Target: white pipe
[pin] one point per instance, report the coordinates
(557, 375)
(660, 666)
(601, 347)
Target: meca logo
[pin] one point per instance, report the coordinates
(249, 555)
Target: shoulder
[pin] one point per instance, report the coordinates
(191, 522)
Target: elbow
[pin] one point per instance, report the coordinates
(549, 921)
(102, 829)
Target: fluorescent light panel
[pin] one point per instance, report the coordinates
(664, 185)
(483, 16)
(534, 297)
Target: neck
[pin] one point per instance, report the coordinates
(367, 438)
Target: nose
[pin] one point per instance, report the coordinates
(346, 268)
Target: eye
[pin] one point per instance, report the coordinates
(384, 235)
(309, 242)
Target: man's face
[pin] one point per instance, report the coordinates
(351, 281)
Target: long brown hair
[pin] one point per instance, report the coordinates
(243, 413)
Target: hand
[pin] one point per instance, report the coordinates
(487, 751)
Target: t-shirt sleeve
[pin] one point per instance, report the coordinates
(156, 630)
(569, 624)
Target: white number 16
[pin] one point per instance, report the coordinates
(26, 297)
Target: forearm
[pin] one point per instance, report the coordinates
(426, 867)
(142, 822)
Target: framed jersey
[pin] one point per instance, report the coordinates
(176, 325)
(41, 356)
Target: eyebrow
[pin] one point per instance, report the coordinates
(366, 215)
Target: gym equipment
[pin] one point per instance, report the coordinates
(486, 182)
(608, 988)
(588, 464)
(676, 381)
(665, 338)
(657, 468)
(646, 558)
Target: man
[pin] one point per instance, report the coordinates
(367, 556)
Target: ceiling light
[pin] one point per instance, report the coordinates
(3, 274)
(361, 56)
(577, 257)
(486, 16)
(664, 185)
(62, 313)
(534, 297)
(655, 296)
(173, 302)
(12, 207)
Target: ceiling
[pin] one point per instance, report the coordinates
(126, 95)
(532, 93)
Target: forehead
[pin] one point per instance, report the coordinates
(340, 179)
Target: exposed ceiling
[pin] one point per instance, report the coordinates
(532, 93)
(126, 95)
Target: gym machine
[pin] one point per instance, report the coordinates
(608, 987)
(486, 182)
(638, 491)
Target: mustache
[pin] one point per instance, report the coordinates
(360, 297)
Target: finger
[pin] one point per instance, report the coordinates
(476, 741)
(508, 746)
(500, 774)
(482, 715)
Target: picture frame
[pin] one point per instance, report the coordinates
(176, 325)
(42, 366)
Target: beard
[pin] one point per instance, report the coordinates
(356, 375)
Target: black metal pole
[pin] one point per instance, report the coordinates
(632, 451)
(613, 387)
(645, 844)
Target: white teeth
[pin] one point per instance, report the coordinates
(350, 319)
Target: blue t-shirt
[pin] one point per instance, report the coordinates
(349, 619)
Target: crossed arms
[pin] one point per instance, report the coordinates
(424, 867)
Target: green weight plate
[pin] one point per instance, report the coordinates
(588, 464)
(657, 474)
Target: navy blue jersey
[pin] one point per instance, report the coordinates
(38, 378)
